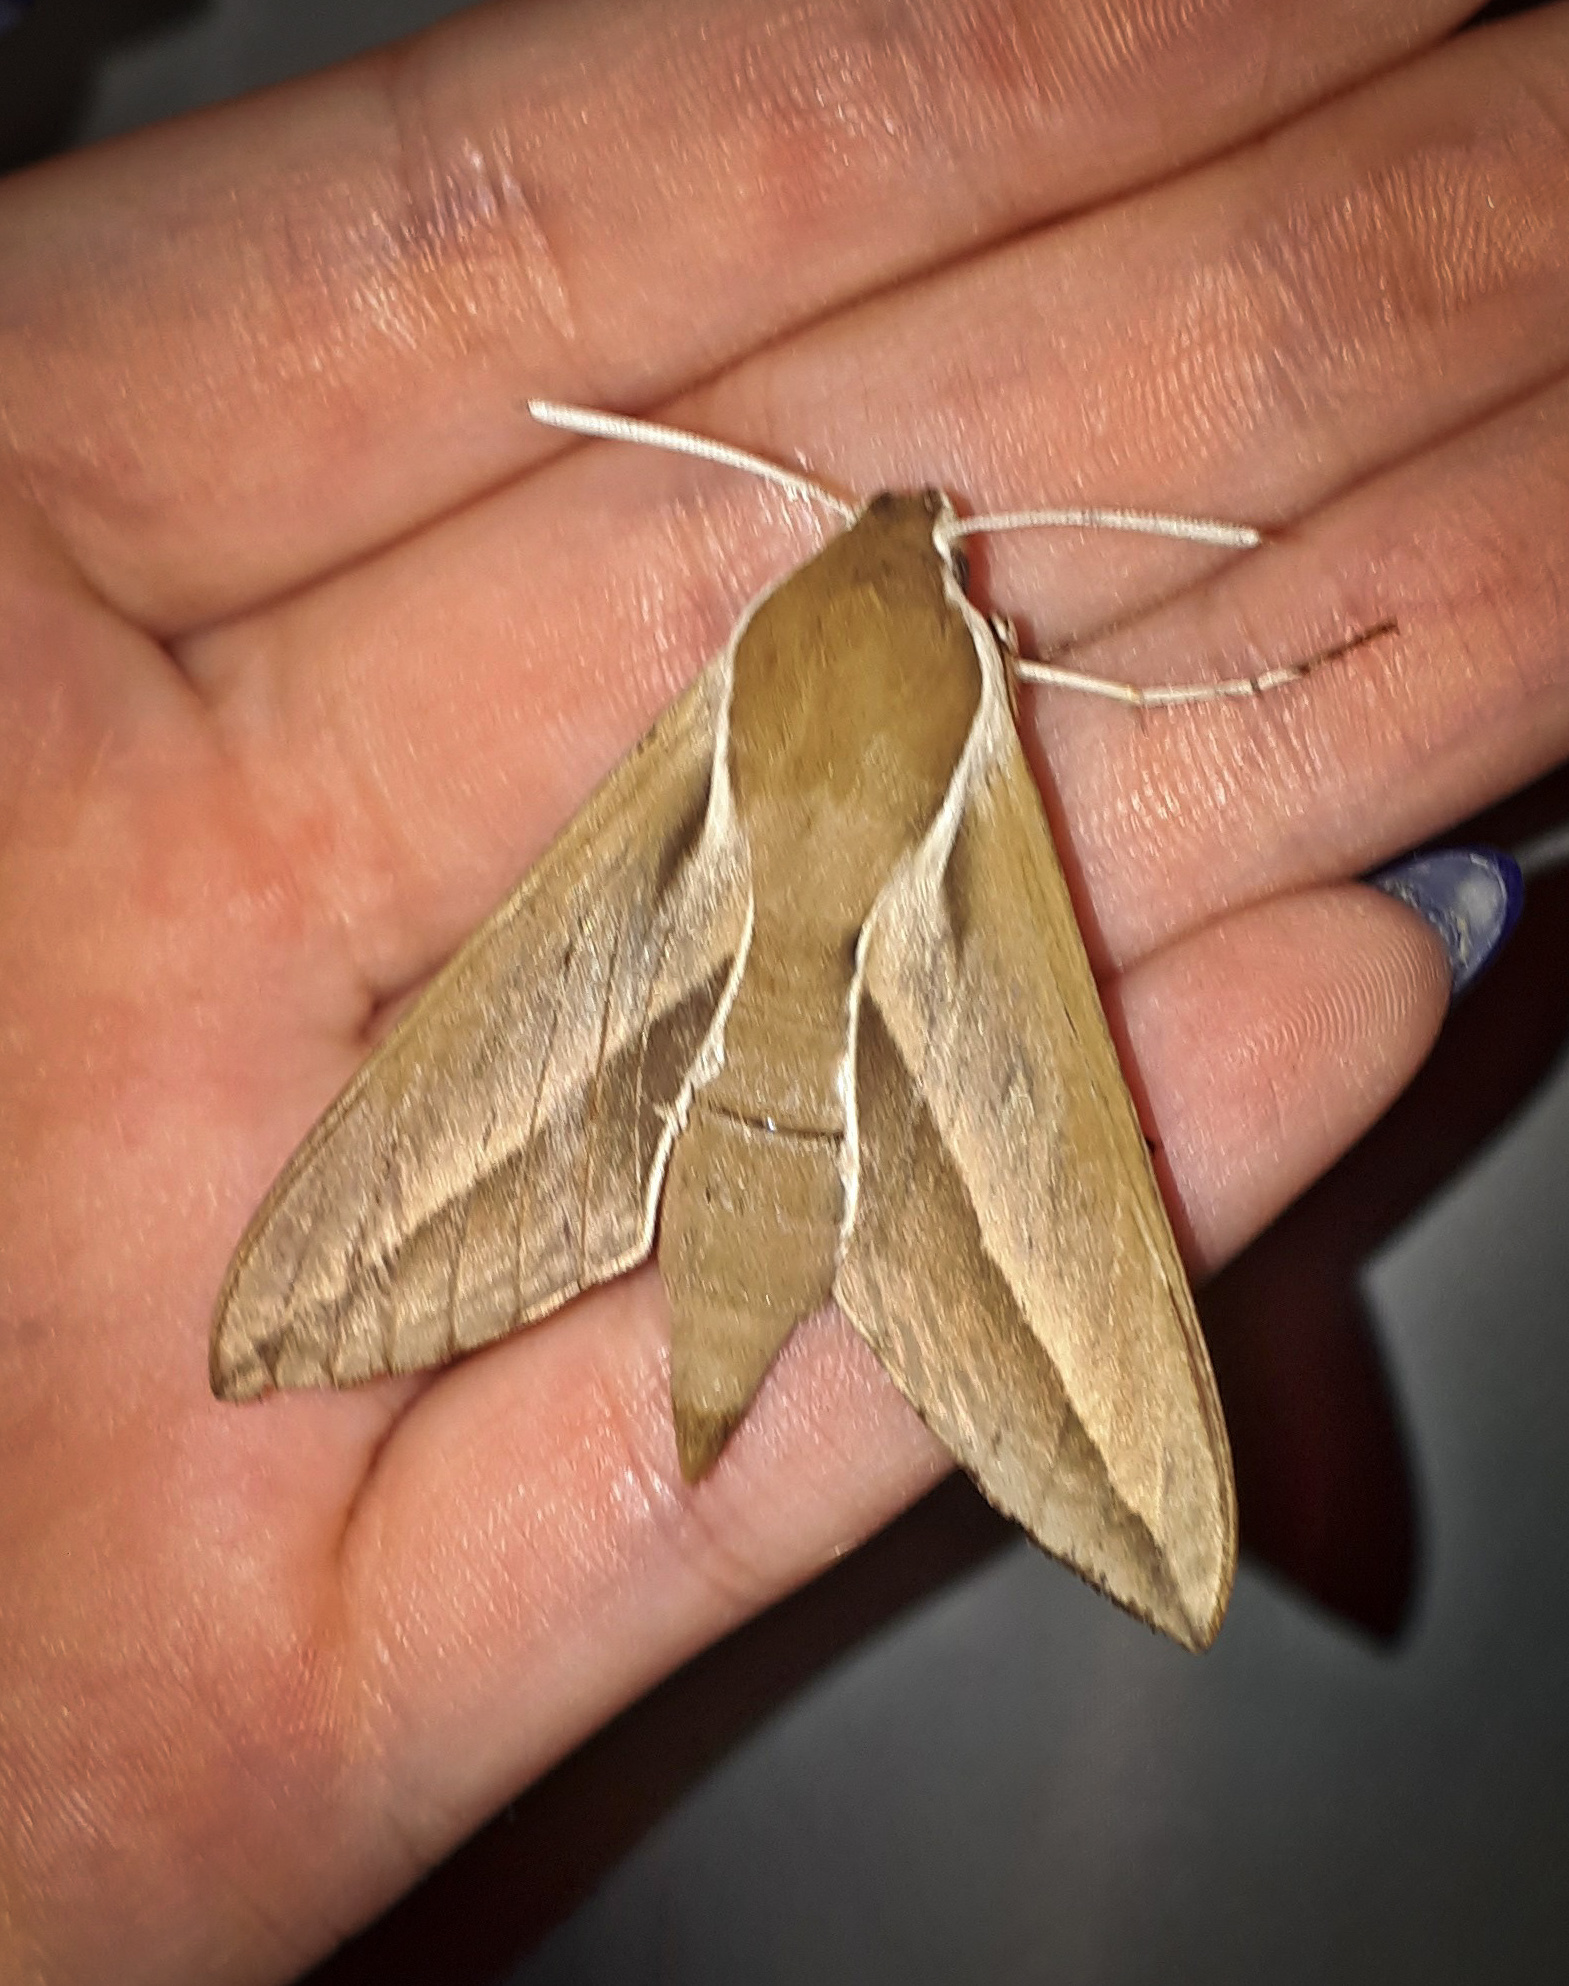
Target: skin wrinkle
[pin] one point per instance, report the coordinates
(1266, 1063)
(720, 1536)
(1432, 579)
(611, 1503)
(384, 1640)
(316, 1711)
(1098, 47)
(241, 717)
(352, 800)
(363, 397)
(886, 78)
(1269, 298)
(1534, 81)
(464, 206)
(287, 1930)
(300, 334)
(700, 1532)
(660, 1521)
(349, 270)
(248, 1732)
(1109, 42)
(1308, 1033)
(614, 1395)
(48, 740)
(302, 320)
(414, 1386)
(622, 1507)
(856, 104)
(1490, 590)
(1417, 234)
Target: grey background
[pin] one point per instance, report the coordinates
(948, 1762)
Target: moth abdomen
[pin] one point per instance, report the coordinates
(748, 1247)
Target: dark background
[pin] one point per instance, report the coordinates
(948, 1762)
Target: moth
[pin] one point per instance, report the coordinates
(798, 1001)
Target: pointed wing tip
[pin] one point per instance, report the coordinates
(1180, 1593)
(244, 1365)
(235, 1380)
(1193, 1627)
(1194, 1633)
(1193, 1618)
(240, 1368)
(234, 1370)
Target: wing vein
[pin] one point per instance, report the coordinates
(481, 1173)
(563, 976)
(592, 1112)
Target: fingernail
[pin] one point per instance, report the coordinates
(1472, 897)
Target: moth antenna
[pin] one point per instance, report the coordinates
(1165, 694)
(679, 441)
(1149, 523)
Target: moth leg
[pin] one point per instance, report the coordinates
(1161, 695)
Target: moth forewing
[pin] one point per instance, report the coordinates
(1011, 1261)
(500, 1150)
(803, 976)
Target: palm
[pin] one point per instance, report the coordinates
(306, 661)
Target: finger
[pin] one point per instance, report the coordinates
(1273, 1039)
(526, 1528)
(238, 351)
(1465, 701)
(450, 734)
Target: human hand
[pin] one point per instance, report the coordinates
(311, 645)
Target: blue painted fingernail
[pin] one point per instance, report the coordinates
(1472, 897)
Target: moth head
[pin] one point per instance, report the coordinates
(935, 508)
